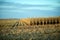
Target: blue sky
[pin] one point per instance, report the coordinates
(29, 8)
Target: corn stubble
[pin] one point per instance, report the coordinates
(11, 30)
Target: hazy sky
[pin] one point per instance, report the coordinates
(29, 8)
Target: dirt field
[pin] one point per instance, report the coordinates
(10, 31)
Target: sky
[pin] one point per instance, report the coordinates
(29, 8)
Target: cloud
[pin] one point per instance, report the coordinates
(38, 8)
(28, 8)
(16, 6)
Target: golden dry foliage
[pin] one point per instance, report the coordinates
(25, 21)
(40, 21)
(41, 29)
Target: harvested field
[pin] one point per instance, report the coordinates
(9, 30)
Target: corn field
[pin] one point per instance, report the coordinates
(30, 29)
